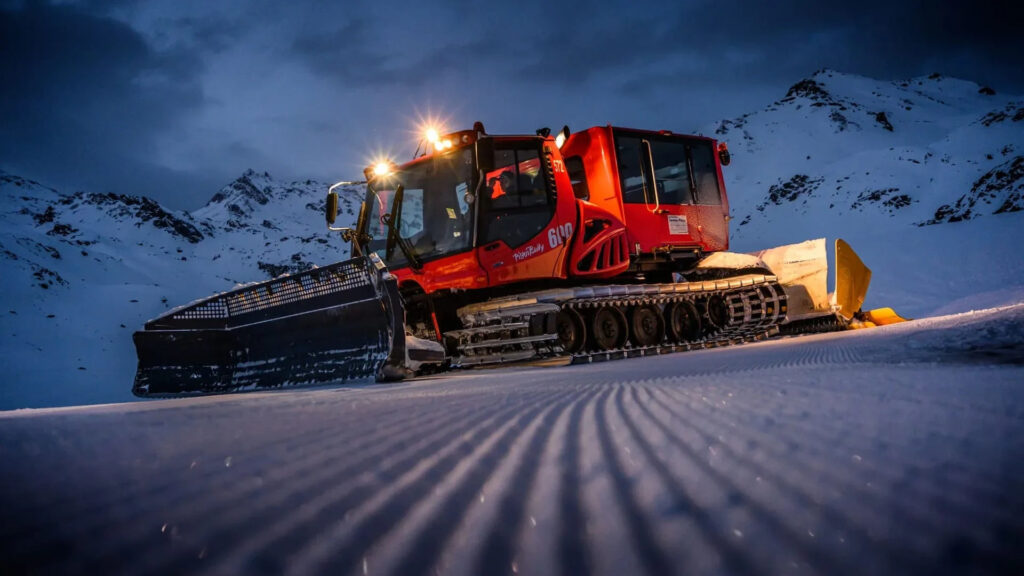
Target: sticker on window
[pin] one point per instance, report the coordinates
(677, 224)
(460, 195)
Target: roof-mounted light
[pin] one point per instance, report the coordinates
(434, 139)
(379, 168)
(437, 141)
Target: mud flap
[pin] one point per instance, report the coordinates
(331, 324)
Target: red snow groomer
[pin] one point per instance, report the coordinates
(604, 243)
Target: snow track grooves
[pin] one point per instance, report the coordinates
(811, 456)
(400, 452)
(415, 489)
(762, 522)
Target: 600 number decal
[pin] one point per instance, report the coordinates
(559, 234)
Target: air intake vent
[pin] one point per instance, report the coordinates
(609, 256)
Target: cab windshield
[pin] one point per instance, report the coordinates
(431, 218)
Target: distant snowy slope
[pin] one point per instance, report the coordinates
(841, 152)
(269, 228)
(82, 271)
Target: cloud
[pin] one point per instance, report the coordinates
(349, 53)
(733, 40)
(881, 38)
(175, 99)
(85, 100)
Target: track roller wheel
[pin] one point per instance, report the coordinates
(683, 321)
(646, 326)
(571, 330)
(717, 314)
(609, 328)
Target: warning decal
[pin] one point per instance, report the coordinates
(677, 224)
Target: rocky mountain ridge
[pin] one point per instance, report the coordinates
(851, 149)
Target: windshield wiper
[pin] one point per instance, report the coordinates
(394, 237)
(410, 253)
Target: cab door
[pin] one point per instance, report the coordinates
(524, 223)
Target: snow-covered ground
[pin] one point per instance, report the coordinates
(898, 450)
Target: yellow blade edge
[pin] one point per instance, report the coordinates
(883, 317)
(852, 280)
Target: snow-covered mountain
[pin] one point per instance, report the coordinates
(82, 271)
(924, 177)
(840, 148)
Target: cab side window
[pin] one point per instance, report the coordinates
(684, 170)
(705, 173)
(516, 200)
(578, 177)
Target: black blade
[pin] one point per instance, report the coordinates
(325, 325)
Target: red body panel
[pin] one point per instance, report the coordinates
(649, 228)
(585, 239)
(460, 272)
(600, 249)
(705, 227)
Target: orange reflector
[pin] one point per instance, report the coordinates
(884, 316)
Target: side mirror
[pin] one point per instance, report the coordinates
(562, 136)
(723, 154)
(332, 207)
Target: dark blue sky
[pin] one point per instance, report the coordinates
(174, 99)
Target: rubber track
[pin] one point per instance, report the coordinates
(755, 311)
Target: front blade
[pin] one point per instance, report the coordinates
(852, 280)
(802, 269)
(325, 325)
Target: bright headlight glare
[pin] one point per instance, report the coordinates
(432, 135)
(381, 168)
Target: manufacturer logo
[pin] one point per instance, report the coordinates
(528, 252)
